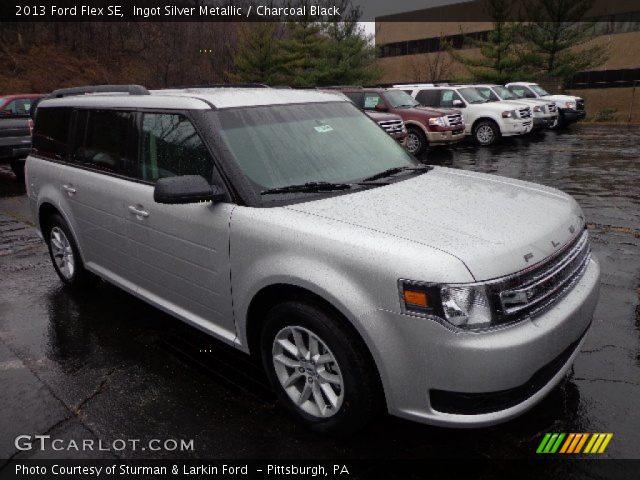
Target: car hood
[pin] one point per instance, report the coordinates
(496, 226)
(382, 117)
(501, 105)
(561, 98)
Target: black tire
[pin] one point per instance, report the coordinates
(416, 141)
(77, 277)
(18, 169)
(486, 132)
(361, 396)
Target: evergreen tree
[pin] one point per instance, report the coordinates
(351, 54)
(556, 36)
(257, 54)
(302, 57)
(501, 58)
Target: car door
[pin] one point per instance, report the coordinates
(103, 152)
(181, 257)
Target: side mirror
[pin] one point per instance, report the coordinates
(380, 107)
(458, 104)
(186, 189)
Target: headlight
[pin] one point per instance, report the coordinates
(509, 114)
(439, 121)
(538, 108)
(463, 307)
(570, 105)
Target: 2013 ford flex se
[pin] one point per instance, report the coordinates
(288, 224)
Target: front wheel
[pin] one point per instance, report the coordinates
(486, 132)
(416, 141)
(320, 371)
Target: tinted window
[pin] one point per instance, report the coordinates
(51, 133)
(103, 140)
(171, 146)
(430, 98)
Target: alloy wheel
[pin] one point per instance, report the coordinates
(308, 371)
(412, 143)
(62, 252)
(485, 134)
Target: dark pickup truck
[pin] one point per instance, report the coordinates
(16, 126)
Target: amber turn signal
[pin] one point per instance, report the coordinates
(414, 297)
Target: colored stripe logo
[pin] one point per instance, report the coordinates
(574, 443)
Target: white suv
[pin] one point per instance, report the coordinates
(545, 112)
(570, 108)
(289, 225)
(485, 121)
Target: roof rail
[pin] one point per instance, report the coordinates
(226, 85)
(130, 89)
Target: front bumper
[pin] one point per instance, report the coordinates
(418, 357)
(445, 137)
(571, 115)
(509, 128)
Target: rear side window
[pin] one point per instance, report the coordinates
(171, 146)
(430, 98)
(51, 132)
(104, 139)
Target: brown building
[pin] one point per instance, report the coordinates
(410, 51)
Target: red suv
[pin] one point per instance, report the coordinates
(425, 126)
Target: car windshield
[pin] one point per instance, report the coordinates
(400, 99)
(504, 93)
(539, 90)
(281, 145)
(471, 95)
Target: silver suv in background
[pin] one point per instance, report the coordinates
(289, 225)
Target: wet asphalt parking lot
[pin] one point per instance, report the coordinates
(104, 365)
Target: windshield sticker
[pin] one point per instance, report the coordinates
(324, 128)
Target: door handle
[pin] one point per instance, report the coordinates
(69, 189)
(138, 212)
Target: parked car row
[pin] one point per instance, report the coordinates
(288, 225)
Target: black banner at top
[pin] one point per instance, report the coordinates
(305, 10)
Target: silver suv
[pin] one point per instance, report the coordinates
(288, 224)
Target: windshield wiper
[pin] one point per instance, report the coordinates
(393, 171)
(308, 187)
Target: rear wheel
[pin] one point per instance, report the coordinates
(320, 371)
(64, 254)
(416, 141)
(486, 132)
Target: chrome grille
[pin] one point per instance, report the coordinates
(454, 120)
(536, 289)
(525, 112)
(392, 126)
(551, 107)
